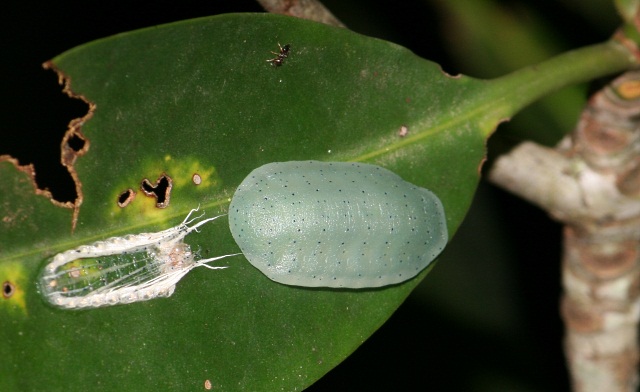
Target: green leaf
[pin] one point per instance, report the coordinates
(200, 97)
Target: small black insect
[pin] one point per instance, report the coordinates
(279, 59)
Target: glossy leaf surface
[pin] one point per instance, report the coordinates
(200, 98)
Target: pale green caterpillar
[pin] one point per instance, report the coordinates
(336, 224)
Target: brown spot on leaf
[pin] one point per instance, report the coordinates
(196, 179)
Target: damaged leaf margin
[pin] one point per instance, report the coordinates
(74, 144)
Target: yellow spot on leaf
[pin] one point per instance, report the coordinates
(181, 170)
(14, 282)
(184, 171)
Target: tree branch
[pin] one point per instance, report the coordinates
(591, 182)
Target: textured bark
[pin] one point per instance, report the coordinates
(591, 182)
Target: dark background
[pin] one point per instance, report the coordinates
(486, 318)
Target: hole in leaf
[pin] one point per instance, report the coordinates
(8, 289)
(161, 190)
(76, 142)
(35, 139)
(126, 197)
